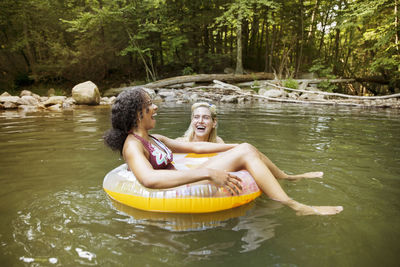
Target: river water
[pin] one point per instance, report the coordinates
(54, 211)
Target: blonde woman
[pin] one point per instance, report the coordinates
(203, 128)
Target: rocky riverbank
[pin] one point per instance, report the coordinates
(218, 92)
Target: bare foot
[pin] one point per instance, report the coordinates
(319, 210)
(307, 175)
(302, 209)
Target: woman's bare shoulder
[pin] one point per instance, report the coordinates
(219, 140)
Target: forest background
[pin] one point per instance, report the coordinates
(123, 42)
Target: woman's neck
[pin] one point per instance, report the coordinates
(141, 132)
(200, 138)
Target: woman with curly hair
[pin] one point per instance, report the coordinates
(150, 157)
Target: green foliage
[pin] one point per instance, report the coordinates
(291, 83)
(188, 71)
(327, 86)
(324, 71)
(321, 69)
(71, 41)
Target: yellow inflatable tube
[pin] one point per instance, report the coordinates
(121, 185)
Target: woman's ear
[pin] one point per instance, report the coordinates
(215, 123)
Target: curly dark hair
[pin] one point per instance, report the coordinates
(124, 117)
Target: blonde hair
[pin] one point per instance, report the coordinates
(189, 134)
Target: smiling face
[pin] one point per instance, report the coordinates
(149, 112)
(202, 123)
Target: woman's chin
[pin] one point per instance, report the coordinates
(201, 134)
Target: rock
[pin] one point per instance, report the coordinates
(112, 99)
(107, 100)
(11, 99)
(37, 97)
(68, 103)
(166, 94)
(1, 106)
(86, 93)
(25, 93)
(151, 92)
(204, 99)
(271, 92)
(249, 91)
(56, 107)
(303, 85)
(157, 99)
(229, 99)
(54, 100)
(28, 100)
(170, 99)
(10, 105)
(308, 96)
(193, 97)
(241, 100)
(293, 95)
(28, 108)
(5, 94)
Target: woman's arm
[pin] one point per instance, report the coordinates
(194, 147)
(135, 157)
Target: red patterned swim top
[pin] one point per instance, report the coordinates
(159, 158)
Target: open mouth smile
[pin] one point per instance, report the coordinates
(201, 128)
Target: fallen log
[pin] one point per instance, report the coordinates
(322, 102)
(335, 94)
(233, 78)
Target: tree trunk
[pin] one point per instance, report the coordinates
(300, 50)
(239, 63)
(160, 50)
(313, 22)
(231, 46)
(396, 24)
(245, 38)
(206, 40)
(266, 66)
(336, 51)
(260, 41)
(251, 51)
(323, 32)
(272, 50)
(226, 40)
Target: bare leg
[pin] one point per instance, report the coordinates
(247, 157)
(279, 174)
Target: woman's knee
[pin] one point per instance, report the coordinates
(248, 149)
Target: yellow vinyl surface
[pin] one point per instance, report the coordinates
(183, 205)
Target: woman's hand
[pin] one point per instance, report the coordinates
(225, 179)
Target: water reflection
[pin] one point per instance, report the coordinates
(181, 222)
